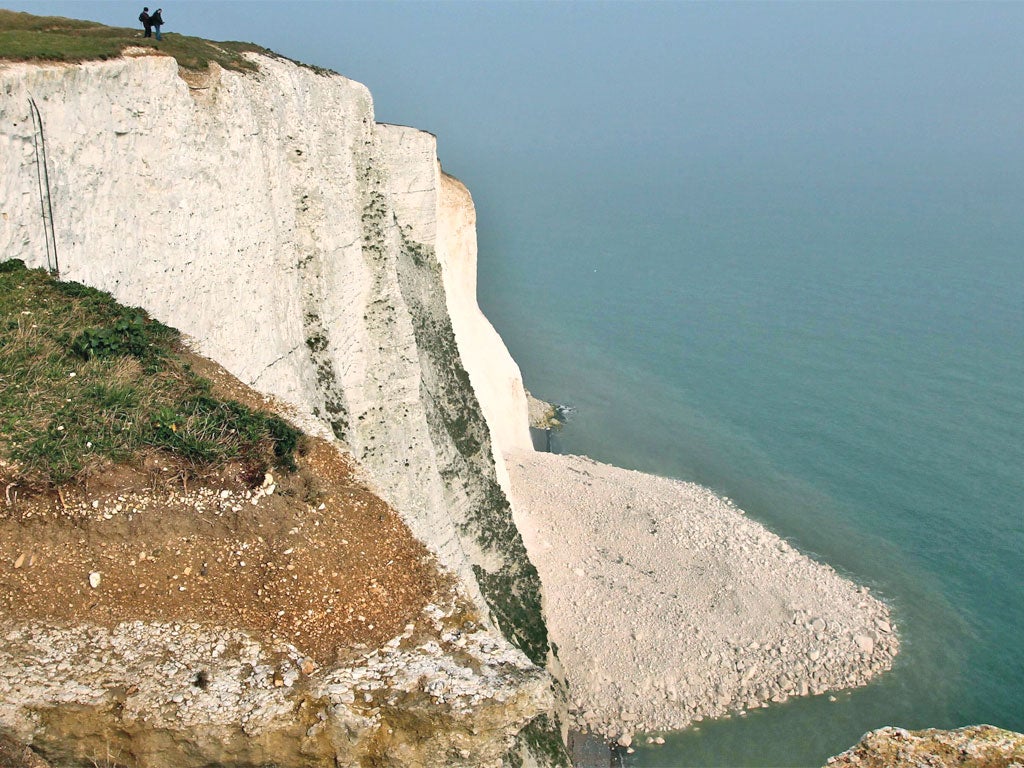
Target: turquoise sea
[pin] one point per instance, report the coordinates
(835, 341)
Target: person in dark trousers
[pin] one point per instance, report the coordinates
(156, 20)
(147, 23)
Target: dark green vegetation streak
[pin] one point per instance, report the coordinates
(513, 591)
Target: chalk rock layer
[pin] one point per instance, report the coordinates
(158, 694)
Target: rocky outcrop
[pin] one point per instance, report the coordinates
(977, 746)
(542, 415)
(443, 693)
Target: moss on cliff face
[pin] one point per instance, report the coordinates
(318, 346)
(507, 579)
(459, 435)
(512, 590)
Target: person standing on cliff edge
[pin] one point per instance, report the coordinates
(157, 20)
(147, 24)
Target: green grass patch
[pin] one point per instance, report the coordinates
(85, 381)
(24, 37)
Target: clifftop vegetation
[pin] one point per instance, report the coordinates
(24, 37)
(86, 382)
(118, 459)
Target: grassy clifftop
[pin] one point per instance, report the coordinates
(86, 382)
(24, 37)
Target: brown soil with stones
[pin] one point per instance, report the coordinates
(312, 557)
(15, 755)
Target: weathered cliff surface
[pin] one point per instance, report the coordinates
(327, 261)
(977, 746)
(157, 694)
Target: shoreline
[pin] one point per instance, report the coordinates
(669, 606)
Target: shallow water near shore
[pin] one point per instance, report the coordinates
(844, 361)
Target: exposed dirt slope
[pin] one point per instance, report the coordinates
(312, 557)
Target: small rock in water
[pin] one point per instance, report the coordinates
(625, 740)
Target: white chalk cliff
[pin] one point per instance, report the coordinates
(327, 260)
(320, 257)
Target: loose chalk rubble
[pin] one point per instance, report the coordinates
(669, 606)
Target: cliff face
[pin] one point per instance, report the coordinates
(320, 257)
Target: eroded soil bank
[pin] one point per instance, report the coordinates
(312, 558)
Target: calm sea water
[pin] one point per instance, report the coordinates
(835, 343)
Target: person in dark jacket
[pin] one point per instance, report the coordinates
(157, 20)
(147, 24)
